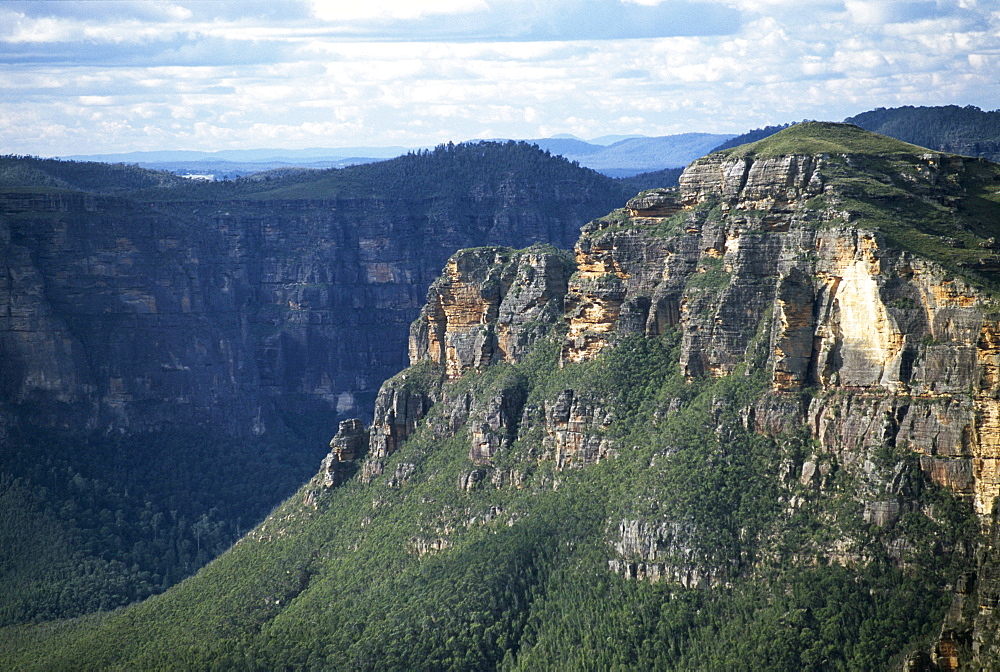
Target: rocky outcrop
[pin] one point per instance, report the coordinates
(654, 552)
(347, 446)
(493, 426)
(624, 282)
(400, 406)
(489, 306)
(744, 182)
(655, 203)
(891, 344)
(576, 430)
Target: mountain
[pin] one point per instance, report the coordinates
(950, 128)
(615, 156)
(611, 139)
(750, 423)
(176, 354)
(633, 155)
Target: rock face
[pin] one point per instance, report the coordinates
(869, 341)
(849, 311)
(895, 348)
(490, 305)
(398, 410)
(574, 430)
(246, 315)
(660, 552)
(348, 445)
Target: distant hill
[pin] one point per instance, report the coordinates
(949, 128)
(960, 130)
(632, 156)
(614, 156)
(668, 177)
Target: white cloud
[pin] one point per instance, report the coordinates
(222, 74)
(352, 10)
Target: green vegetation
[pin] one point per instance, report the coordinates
(952, 224)
(711, 274)
(521, 578)
(693, 543)
(962, 130)
(751, 136)
(668, 177)
(815, 137)
(92, 524)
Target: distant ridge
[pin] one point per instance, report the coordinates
(614, 156)
(631, 156)
(949, 128)
(232, 163)
(246, 155)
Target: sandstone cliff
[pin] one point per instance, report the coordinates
(246, 315)
(841, 273)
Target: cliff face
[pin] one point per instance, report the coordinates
(793, 264)
(490, 306)
(892, 347)
(117, 315)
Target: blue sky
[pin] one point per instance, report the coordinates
(94, 77)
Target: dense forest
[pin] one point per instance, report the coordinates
(90, 525)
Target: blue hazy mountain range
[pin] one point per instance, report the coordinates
(616, 156)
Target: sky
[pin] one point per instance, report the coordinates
(88, 77)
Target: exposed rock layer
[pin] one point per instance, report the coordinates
(766, 262)
(244, 315)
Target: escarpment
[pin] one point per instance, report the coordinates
(771, 247)
(846, 309)
(248, 315)
(838, 274)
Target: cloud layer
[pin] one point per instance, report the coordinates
(89, 77)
